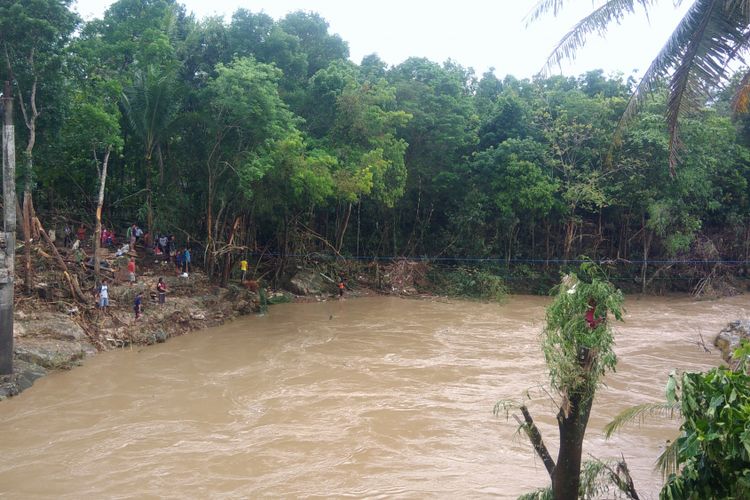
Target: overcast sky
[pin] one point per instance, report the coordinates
(476, 33)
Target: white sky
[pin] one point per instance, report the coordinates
(474, 33)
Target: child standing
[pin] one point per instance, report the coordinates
(131, 271)
(103, 294)
(138, 305)
(161, 290)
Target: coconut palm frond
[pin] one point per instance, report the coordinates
(148, 106)
(710, 34)
(540, 494)
(640, 413)
(542, 7)
(667, 461)
(596, 22)
(716, 34)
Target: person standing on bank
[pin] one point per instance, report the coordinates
(243, 268)
(186, 261)
(103, 294)
(138, 305)
(131, 271)
(161, 291)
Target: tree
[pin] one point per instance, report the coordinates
(33, 35)
(243, 122)
(697, 54)
(321, 47)
(711, 456)
(150, 108)
(577, 343)
(93, 125)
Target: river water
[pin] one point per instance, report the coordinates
(374, 397)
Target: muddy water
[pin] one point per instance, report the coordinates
(380, 397)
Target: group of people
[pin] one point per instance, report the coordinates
(107, 237)
(102, 296)
(166, 246)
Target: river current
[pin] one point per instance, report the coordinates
(373, 397)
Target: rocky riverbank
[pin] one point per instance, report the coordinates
(57, 335)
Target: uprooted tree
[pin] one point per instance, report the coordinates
(577, 342)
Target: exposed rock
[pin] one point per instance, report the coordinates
(23, 377)
(729, 339)
(54, 326)
(306, 282)
(52, 353)
(198, 315)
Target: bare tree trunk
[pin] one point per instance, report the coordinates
(100, 202)
(343, 228)
(8, 236)
(647, 236)
(149, 201)
(228, 255)
(208, 257)
(27, 238)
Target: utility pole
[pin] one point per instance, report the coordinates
(8, 236)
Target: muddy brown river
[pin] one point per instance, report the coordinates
(375, 397)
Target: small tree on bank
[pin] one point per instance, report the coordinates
(577, 342)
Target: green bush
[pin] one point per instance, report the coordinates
(466, 282)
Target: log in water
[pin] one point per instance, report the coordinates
(377, 397)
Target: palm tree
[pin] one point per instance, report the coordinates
(149, 107)
(695, 58)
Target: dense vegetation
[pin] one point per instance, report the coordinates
(259, 135)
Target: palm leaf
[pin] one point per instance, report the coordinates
(639, 414)
(149, 107)
(542, 7)
(667, 461)
(596, 22)
(710, 35)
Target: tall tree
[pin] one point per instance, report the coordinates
(577, 343)
(33, 36)
(150, 108)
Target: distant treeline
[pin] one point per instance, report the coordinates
(256, 135)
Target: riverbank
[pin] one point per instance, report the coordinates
(52, 333)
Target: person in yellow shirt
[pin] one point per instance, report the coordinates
(243, 268)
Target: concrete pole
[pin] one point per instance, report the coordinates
(8, 236)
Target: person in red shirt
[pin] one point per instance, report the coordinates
(591, 319)
(81, 233)
(131, 271)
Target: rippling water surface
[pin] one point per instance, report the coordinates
(376, 397)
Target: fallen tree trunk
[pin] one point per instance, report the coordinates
(75, 287)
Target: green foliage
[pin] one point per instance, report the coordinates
(268, 121)
(713, 450)
(467, 282)
(741, 356)
(568, 337)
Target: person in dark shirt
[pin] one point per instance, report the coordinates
(138, 305)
